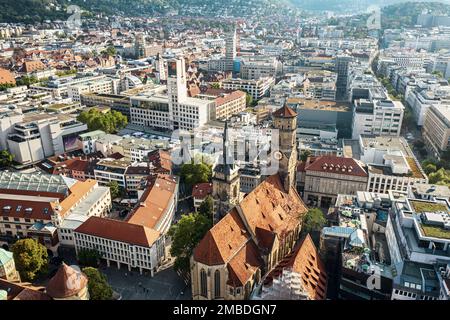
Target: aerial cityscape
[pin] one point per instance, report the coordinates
(224, 150)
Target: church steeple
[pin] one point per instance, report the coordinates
(226, 181)
(285, 121)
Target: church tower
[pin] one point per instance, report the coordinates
(226, 182)
(285, 120)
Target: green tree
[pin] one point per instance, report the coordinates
(304, 155)
(206, 208)
(313, 221)
(249, 101)
(215, 85)
(186, 234)
(98, 286)
(27, 81)
(115, 189)
(89, 257)
(30, 257)
(430, 168)
(6, 158)
(110, 122)
(439, 74)
(193, 173)
(110, 51)
(5, 86)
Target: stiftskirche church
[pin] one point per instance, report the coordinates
(256, 232)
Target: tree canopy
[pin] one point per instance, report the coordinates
(89, 257)
(186, 234)
(6, 158)
(207, 207)
(193, 173)
(313, 221)
(30, 257)
(110, 122)
(98, 286)
(115, 189)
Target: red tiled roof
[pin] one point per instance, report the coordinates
(202, 190)
(229, 97)
(285, 112)
(243, 265)
(337, 165)
(305, 260)
(155, 201)
(161, 161)
(20, 292)
(119, 231)
(269, 210)
(6, 77)
(222, 240)
(67, 282)
(30, 66)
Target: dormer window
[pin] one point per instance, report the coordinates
(29, 210)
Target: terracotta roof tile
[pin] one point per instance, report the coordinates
(244, 264)
(20, 292)
(202, 190)
(6, 77)
(269, 210)
(222, 241)
(285, 112)
(155, 201)
(337, 165)
(229, 97)
(66, 282)
(119, 231)
(305, 260)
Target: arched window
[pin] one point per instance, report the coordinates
(217, 284)
(203, 284)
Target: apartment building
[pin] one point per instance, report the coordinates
(150, 110)
(108, 170)
(320, 85)
(35, 205)
(86, 141)
(377, 117)
(256, 88)
(200, 192)
(104, 86)
(436, 129)
(321, 179)
(256, 67)
(417, 233)
(123, 243)
(230, 104)
(422, 97)
(157, 204)
(391, 164)
(39, 136)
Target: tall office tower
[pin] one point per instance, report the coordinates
(161, 68)
(342, 68)
(139, 46)
(176, 80)
(230, 50)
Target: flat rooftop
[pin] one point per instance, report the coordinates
(325, 105)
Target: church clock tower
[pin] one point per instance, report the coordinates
(285, 121)
(226, 181)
